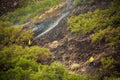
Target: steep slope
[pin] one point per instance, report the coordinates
(76, 49)
(72, 39)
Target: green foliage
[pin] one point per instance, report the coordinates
(114, 36)
(11, 35)
(83, 2)
(98, 36)
(17, 74)
(19, 63)
(115, 6)
(53, 72)
(56, 71)
(76, 2)
(87, 22)
(23, 3)
(11, 55)
(107, 63)
(5, 24)
(100, 23)
(111, 78)
(110, 68)
(24, 13)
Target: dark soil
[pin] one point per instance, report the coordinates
(8, 5)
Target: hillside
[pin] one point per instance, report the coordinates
(56, 40)
(74, 48)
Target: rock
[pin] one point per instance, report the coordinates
(64, 57)
(83, 69)
(54, 44)
(74, 66)
(41, 16)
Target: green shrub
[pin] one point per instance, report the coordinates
(110, 34)
(23, 14)
(114, 36)
(17, 73)
(111, 78)
(83, 2)
(88, 22)
(100, 23)
(98, 36)
(107, 63)
(19, 63)
(23, 3)
(5, 24)
(11, 35)
(10, 56)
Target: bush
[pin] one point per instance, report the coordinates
(110, 68)
(83, 2)
(100, 23)
(11, 35)
(85, 23)
(107, 63)
(114, 36)
(11, 55)
(111, 35)
(98, 36)
(19, 63)
(5, 24)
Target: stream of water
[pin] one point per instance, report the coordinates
(49, 24)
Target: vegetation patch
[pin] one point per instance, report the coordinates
(104, 24)
(25, 13)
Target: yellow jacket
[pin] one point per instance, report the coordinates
(29, 42)
(91, 59)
